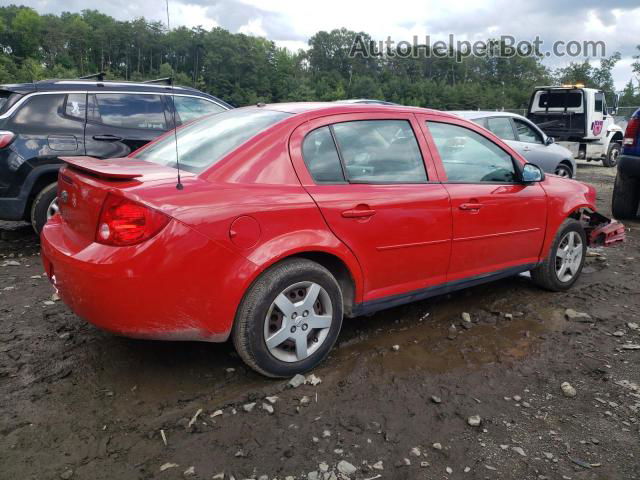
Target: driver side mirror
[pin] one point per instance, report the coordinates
(532, 173)
(549, 141)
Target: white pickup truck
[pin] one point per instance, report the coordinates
(578, 119)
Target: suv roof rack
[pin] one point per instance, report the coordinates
(98, 76)
(165, 80)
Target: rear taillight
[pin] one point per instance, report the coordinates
(125, 222)
(632, 132)
(6, 138)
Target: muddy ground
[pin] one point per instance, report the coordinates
(76, 402)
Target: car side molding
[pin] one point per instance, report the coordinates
(378, 304)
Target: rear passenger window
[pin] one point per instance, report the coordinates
(131, 111)
(380, 151)
(321, 157)
(468, 157)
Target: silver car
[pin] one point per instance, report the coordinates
(527, 139)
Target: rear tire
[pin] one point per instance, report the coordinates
(626, 196)
(44, 206)
(611, 160)
(568, 250)
(276, 331)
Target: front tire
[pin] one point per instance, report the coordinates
(44, 206)
(289, 319)
(626, 196)
(562, 267)
(564, 170)
(611, 160)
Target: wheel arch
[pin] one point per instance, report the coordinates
(39, 179)
(342, 264)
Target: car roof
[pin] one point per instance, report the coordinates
(96, 86)
(475, 114)
(335, 108)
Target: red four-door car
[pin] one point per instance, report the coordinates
(290, 216)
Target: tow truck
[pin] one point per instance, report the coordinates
(578, 118)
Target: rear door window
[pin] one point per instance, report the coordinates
(126, 110)
(379, 151)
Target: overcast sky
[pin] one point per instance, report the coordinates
(290, 23)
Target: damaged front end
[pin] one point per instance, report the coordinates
(602, 231)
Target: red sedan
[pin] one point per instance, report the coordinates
(288, 217)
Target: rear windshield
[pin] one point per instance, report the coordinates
(204, 142)
(560, 99)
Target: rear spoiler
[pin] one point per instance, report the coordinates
(113, 169)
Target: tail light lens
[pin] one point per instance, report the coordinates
(6, 138)
(632, 132)
(124, 222)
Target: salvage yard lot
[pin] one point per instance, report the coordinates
(394, 399)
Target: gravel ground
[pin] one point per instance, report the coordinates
(398, 398)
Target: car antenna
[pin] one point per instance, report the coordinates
(179, 185)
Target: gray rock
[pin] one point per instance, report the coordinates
(313, 380)
(313, 476)
(568, 390)
(571, 314)
(297, 381)
(474, 420)
(323, 467)
(268, 408)
(379, 465)
(466, 317)
(618, 333)
(346, 468)
(437, 446)
(517, 398)
(436, 399)
(415, 451)
(13, 263)
(272, 400)
(190, 472)
(248, 406)
(449, 470)
(396, 348)
(519, 451)
(67, 474)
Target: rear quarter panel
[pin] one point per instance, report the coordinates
(257, 181)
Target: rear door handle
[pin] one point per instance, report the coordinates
(471, 206)
(107, 138)
(357, 213)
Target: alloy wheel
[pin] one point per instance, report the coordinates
(563, 171)
(53, 208)
(569, 256)
(298, 321)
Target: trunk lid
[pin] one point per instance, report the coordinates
(85, 182)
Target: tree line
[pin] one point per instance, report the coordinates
(243, 69)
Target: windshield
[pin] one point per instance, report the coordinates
(203, 143)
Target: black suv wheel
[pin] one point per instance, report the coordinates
(44, 206)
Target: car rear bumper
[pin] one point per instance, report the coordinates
(179, 285)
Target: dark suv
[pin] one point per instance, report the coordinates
(626, 191)
(42, 121)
